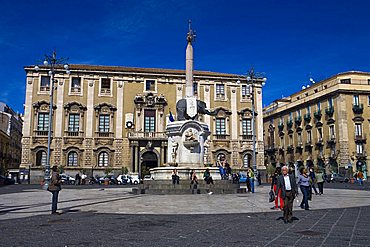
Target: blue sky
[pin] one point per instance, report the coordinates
(287, 40)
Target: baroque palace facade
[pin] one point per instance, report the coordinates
(325, 125)
(109, 118)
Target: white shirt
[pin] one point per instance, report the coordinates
(287, 182)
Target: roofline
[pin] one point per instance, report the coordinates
(96, 68)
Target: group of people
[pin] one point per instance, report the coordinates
(80, 179)
(285, 187)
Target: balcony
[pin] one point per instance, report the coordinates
(319, 142)
(139, 135)
(290, 148)
(360, 139)
(331, 139)
(358, 108)
(299, 145)
(104, 138)
(247, 137)
(329, 111)
(41, 132)
(270, 148)
(105, 91)
(44, 89)
(362, 155)
(73, 137)
(317, 114)
(308, 143)
(298, 120)
(307, 117)
(221, 137)
(289, 124)
(75, 90)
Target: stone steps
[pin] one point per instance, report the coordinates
(165, 187)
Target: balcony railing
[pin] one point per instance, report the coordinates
(105, 91)
(329, 111)
(221, 137)
(331, 139)
(319, 142)
(41, 132)
(280, 126)
(105, 134)
(360, 138)
(44, 89)
(74, 133)
(358, 108)
(247, 137)
(143, 135)
(308, 142)
(76, 90)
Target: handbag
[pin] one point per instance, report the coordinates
(271, 196)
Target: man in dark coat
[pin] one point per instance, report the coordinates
(54, 188)
(289, 190)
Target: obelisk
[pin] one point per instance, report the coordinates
(191, 101)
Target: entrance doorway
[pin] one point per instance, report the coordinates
(149, 160)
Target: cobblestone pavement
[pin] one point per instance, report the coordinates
(113, 217)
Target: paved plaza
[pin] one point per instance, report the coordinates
(112, 216)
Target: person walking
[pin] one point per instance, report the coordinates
(320, 181)
(194, 182)
(304, 183)
(251, 178)
(209, 180)
(274, 188)
(54, 188)
(313, 180)
(286, 182)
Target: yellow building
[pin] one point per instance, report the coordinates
(112, 118)
(325, 124)
(10, 141)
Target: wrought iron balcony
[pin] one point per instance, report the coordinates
(73, 133)
(331, 139)
(247, 137)
(281, 126)
(358, 108)
(221, 136)
(360, 138)
(289, 124)
(41, 133)
(105, 134)
(319, 142)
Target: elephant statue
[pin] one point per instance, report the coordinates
(182, 114)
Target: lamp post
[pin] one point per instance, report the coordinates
(51, 63)
(253, 79)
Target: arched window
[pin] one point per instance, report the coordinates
(247, 160)
(103, 159)
(72, 159)
(41, 158)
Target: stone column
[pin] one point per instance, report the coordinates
(27, 126)
(342, 131)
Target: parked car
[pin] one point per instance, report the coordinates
(147, 177)
(66, 179)
(6, 181)
(128, 179)
(339, 178)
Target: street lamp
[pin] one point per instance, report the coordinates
(51, 63)
(254, 79)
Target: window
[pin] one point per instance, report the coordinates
(247, 127)
(246, 90)
(103, 123)
(308, 109)
(318, 106)
(330, 102)
(103, 159)
(368, 100)
(360, 148)
(195, 88)
(72, 159)
(105, 86)
(299, 139)
(149, 121)
(282, 141)
(309, 136)
(45, 83)
(358, 129)
(220, 126)
(356, 100)
(247, 160)
(74, 123)
(290, 139)
(319, 134)
(220, 90)
(150, 85)
(76, 85)
(43, 122)
(298, 113)
(345, 81)
(291, 116)
(281, 120)
(41, 158)
(368, 81)
(331, 132)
